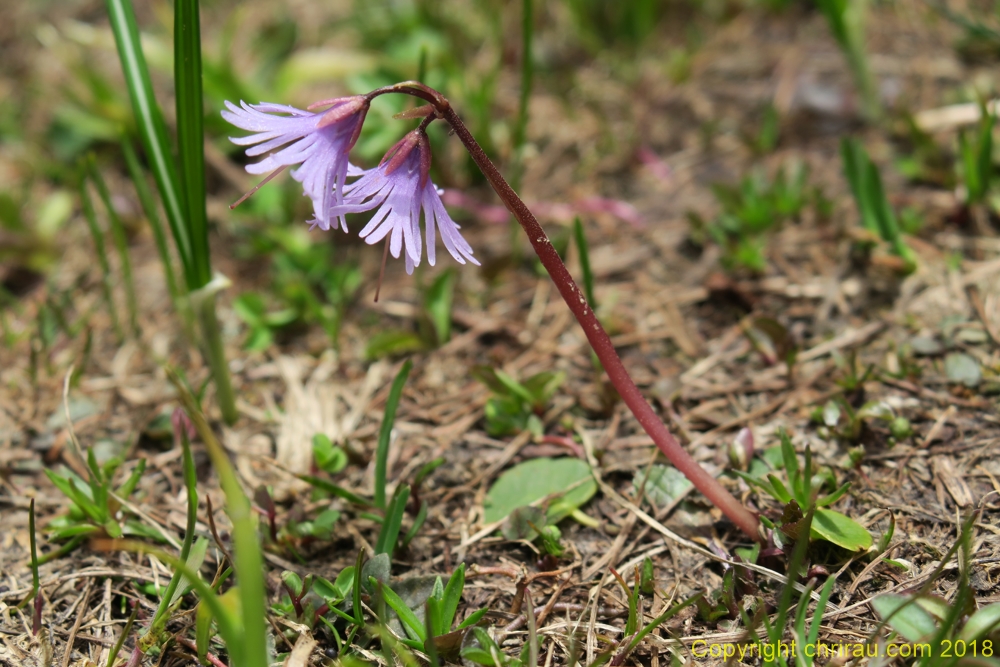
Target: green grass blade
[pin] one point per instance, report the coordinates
(527, 75)
(102, 254)
(190, 483)
(152, 129)
(148, 203)
(382, 452)
(190, 133)
(121, 243)
(588, 275)
(246, 542)
(389, 533)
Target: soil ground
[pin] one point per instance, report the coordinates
(653, 147)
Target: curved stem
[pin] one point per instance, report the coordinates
(577, 302)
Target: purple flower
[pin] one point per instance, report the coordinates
(400, 187)
(318, 142)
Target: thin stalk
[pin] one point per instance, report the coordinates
(527, 76)
(191, 149)
(592, 329)
(249, 561)
(521, 126)
(121, 243)
(385, 433)
(601, 342)
(215, 354)
(148, 203)
(191, 484)
(102, 255)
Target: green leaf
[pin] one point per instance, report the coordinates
(960, 368)
(336, 490)
(194, 561)
(664, 485)
(410, 621)
(912, 622)
(152, 128)
(438, 301)
(584, 250)
(535, 479)
(981, 623)
(190, 134)
(329, 457)
(472, 619)
(389, 533)
(393, 343)
(780, 492)
(521, 524)
(841, 530)
(452, 596)
(385, 431)
(377, 568)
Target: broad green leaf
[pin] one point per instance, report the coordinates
(981, 623)
(912, 622)
(841, 530)
(960, 368)
(533, 480)
(664, 485)
(377, 567)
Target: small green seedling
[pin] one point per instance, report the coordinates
(441, 608)
(250, 308)
(328, 457)
(516, 406)
(976, 159)
(803, 487)
(750, 213)
(95, 504)
(531, 524)
(877, 215)
(308, 288)
(838, 419)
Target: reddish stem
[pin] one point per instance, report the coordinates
(595, 333)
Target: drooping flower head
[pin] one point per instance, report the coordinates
(319, 142)
(401, 188)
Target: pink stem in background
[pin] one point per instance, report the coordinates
(595, 333)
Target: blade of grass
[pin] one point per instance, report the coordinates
(191, 150)
(382, 451)
(152, 128)
(148, 203)
(120, 240)
(249, 561)
(521, 125)
(124, 635)
(190, 134)
(102, 254)
(584, 250)
(190, 483)
(35, 585)
(527, 75)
